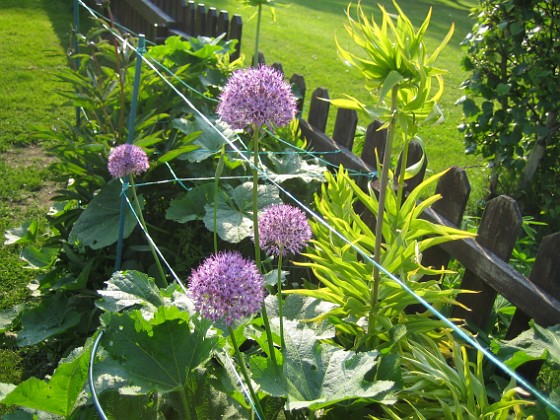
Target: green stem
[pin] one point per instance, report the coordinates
(257, 36)
(185, 402)
(382, 197)
(280, 302)
(163, 281)
(219, 170)
(243, 368)
(266, 322)
(404, 160)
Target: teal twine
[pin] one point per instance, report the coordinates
(435, 312)
(175, 178)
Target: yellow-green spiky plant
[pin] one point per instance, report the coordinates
(399, 73)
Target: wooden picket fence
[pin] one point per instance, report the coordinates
(485, 259)
(159, 19)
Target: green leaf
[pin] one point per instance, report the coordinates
(189, 206)
(8, 316)
(319, 375)
(25, 234)
(158, 354)
(130, 288)
(234, 216)
(392, 79)
(60, 394)
(53, 316)
(292, 165)
(209, 141)
(39, 258)
(98, 225)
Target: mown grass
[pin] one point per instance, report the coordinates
(35, 35)
(302, 39)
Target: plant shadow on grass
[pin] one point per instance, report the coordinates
(61, 15)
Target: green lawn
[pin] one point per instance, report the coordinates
(34, 36)
(302, 38)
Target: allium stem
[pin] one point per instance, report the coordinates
(280, 302)
(243, 368)
(163, 281)
(219, 170)
(256, 134)
(380, 213)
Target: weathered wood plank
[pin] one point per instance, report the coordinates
(498, 231)
(319, 109)
(235, 32)
(320, 142)
(345, 127)
(455, 189)
(299, 88)
(519, 290)
(374, 144)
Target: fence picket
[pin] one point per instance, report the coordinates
(345, 127)
(319, 109)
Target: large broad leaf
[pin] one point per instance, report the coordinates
(158, 354)
(130, 288)
(318, 375)
(98, 226)
(209, 141)
(60, 394)
(234, 216)
(534, 344)
(53, 316)
(190, 206)
(292, 165)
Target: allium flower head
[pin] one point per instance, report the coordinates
(283, 229)
(227, 286)
(127, 159)
(257, 96)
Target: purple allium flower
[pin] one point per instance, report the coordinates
(283, 228)
(257, 96)
(227, 286)
(127, 159)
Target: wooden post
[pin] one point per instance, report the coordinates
(374, 144)
(497, 232)
(345, 127)
(546, 275)
(455, 189)
(200, 21)
(298, 87)
(319, 109)
(415, 153)
(235, 32)
(211, 22)
(223, 23)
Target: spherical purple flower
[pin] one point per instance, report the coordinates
(227, 286)
(283, 229)
(257, 96)
(127, 159)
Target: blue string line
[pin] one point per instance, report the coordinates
(180, 181)
(470, 340)
(150, 240)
